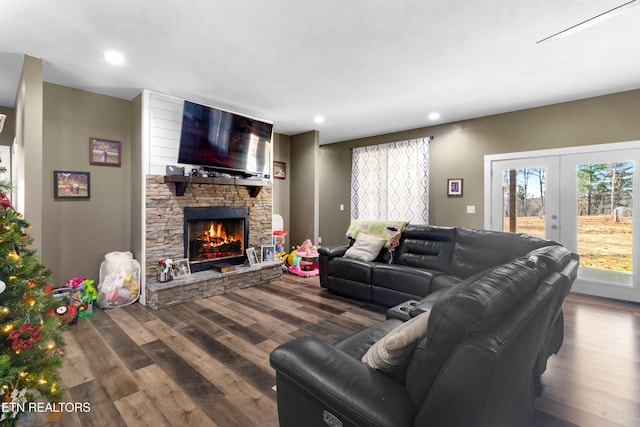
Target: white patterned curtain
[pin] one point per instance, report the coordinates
(391, 181)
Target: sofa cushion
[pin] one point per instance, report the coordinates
(409, 280)
(350, 269)
(392, 353)
(426, 246)
(465, 310)
(365, 248)
(476, 250)
(444, 281)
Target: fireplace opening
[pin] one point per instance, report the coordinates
(215, 239)
(215, 235)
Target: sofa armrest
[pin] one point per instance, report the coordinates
(333, 251)
(346, 387)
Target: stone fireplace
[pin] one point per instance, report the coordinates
(168, 217)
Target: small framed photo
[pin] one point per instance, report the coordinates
(71, 185)
(181, 268)
(454, 187)
(252, 256)
(279, 170)
(268, 253)
(103, 152)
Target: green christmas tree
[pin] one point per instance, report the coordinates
(30, 339)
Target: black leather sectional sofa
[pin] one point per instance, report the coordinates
(495, 316)
(428, 259)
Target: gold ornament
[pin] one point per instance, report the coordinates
(13, 257)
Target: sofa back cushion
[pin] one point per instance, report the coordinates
(426, 246)
(476, 250)
(468, 309)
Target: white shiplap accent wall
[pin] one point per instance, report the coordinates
(164, 114)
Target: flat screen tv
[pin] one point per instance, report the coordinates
(220, 140)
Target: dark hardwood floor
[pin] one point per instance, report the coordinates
(206, 363)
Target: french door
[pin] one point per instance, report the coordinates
(582, 197)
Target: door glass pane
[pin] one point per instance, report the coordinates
(524, 200)
(605, 221)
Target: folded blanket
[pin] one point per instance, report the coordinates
(390, 231)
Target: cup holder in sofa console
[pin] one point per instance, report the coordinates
(401, 311)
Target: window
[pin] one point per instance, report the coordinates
(391, 181)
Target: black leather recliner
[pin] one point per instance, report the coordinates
(478, 365)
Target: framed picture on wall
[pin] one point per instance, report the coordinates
(104, 152)
(279, 170)
(71, 185)
(454, 187)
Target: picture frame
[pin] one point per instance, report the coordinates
(71, 185)
(454, 187)
(181, 268)
(252, 256)
(104, 152)
(268, 253)
(279, 170)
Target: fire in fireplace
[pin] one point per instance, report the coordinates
(215, 239)
(213, 234)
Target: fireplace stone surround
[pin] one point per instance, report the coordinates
(164, 239)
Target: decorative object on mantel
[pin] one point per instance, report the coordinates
(181, 268)
(104, 152)
(251, 256)
(71, 185)
(279, 170)
(454, 187)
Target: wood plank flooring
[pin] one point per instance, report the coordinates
(206, 363)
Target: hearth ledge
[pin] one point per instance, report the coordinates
(204, 284)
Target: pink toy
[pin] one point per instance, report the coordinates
(305, 251)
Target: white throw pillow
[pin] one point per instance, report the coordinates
(365, 248)
(392, 353)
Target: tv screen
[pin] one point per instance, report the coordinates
(222, 140)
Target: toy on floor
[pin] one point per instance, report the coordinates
(305, 260)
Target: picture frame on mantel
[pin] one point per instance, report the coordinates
(71, 185)
(252, 257)
(104, 152)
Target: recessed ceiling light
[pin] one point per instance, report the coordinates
(114, 57)
(318, 119)
(434, 116)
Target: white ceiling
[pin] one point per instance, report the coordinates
(368, 66)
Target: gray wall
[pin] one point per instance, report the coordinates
(458, 151)
(281, 193)
(78, 233)
(27, 160)
(304, 196)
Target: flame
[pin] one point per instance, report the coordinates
(216, 235)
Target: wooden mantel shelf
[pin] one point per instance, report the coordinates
(182, 182)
